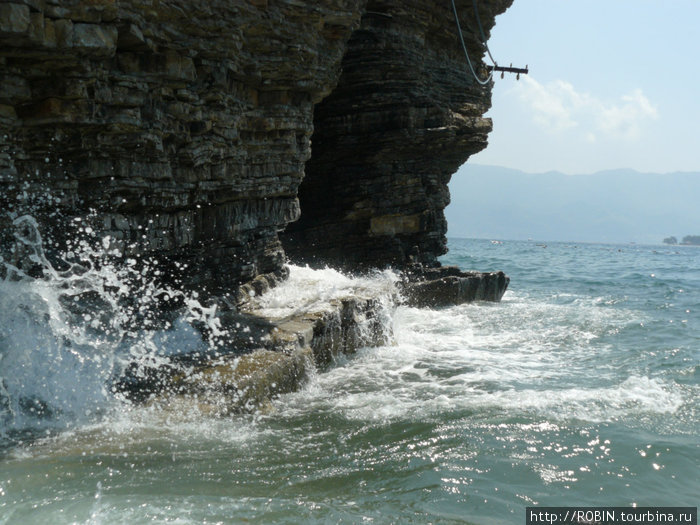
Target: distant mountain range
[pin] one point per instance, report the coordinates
(615, 206)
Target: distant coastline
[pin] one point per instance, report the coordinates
(688, 240)
(574, 243)
(616, 206)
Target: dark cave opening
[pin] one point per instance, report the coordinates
(403, 117)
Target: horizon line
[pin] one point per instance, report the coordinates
(578, 174)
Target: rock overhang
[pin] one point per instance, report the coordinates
(183, 130)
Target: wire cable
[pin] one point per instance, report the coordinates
(484, 40)
(466, 53)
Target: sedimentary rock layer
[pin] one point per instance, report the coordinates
(406, 113)
(184, 124)
(180, 129)
(448, 285)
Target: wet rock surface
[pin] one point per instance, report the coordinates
(448, 285)
(261, 357)
(178, 135)
(261, 352)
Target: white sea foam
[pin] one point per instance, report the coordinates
(523, 355)
(542, 397)
(307, 289)
(476, 357)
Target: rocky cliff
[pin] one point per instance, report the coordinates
(182, 129)
(405, 115)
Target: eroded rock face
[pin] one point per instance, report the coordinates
(180, 129)
(184, 124)
(405, 115)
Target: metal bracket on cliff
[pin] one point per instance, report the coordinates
(495, 66)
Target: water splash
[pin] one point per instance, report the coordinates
(84, 330)
(308, 289)
(74, 322)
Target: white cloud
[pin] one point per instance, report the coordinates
(557, 107)
(625, 120)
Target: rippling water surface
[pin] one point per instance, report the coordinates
(579, 388)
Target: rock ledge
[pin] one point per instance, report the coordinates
(448, 285)
(268, 356)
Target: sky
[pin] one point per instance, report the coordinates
(612, 84)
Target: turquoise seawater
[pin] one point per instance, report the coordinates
(580, 388)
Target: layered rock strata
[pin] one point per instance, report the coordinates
(406, 113)
(180, 130)
(183, 125)
(178, 133)
(448, 285)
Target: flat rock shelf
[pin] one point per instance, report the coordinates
(265, 355)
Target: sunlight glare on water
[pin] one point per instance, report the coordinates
(579, 388)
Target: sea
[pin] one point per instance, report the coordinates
(580, 388)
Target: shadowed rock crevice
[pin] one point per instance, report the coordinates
(405, 115)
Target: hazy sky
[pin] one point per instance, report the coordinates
(612, 84)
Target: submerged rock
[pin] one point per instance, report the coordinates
(245, 383)
(261, 355)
